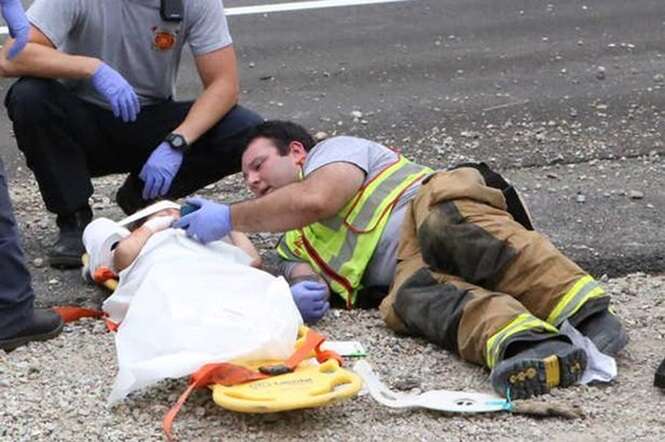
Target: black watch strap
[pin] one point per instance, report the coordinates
(177, 142)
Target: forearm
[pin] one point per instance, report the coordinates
(210, 107)
(288, 208)
(37, 60)
(129, 248)
(319, 196)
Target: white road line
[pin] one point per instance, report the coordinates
(284, 7)
(298, 6)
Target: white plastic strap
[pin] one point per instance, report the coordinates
(441, 400)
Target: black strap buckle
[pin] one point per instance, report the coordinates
(275, 370)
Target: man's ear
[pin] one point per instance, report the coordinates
(297, 152)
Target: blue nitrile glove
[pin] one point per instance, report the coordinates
(160, 169)
(210, 222)
(19, 28)
(119, 94)
(311, 297)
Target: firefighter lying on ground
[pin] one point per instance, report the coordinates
(460, 270)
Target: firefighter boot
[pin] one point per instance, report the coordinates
(538, 368)
(604, 329)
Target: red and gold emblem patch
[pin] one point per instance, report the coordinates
(163, 39)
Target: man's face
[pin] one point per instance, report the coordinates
(264, 169)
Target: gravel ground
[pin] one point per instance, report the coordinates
(56, 390)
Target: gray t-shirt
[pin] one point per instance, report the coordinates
(371, 157)
(131, 37)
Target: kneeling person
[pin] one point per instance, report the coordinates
(96, 96)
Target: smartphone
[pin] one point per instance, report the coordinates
(186, 209)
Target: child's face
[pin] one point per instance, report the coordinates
(166, 212)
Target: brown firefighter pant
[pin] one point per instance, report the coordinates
(471, 279)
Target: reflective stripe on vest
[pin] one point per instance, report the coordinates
(339, 248)
(523, 322)
(583, 290)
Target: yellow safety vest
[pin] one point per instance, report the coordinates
(340, 247)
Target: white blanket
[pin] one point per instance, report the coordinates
(181, 305)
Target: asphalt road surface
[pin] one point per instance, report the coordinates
(564, 97)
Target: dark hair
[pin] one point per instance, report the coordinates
(281, 133)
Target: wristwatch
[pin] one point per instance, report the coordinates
(177, 142)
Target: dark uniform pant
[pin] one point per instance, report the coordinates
(66, 141)
(473, 280)
(16, 295)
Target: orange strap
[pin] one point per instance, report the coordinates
(103, 274)
(313, 342)
(228, 374)
(70, 313)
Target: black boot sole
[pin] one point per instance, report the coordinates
(532, 377)
(659, 378)
(12, 344)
